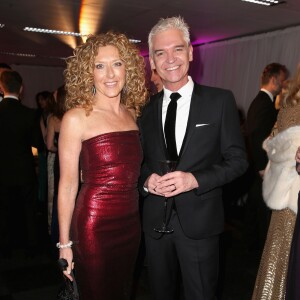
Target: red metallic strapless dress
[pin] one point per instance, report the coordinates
(105, 225)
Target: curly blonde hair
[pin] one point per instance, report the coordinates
(293, 94)
(80, 79)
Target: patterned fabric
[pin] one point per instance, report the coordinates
(50, 165)
(271, 278)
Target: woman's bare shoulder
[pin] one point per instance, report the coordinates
(75, 114)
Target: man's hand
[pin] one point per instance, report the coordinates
(175, 183)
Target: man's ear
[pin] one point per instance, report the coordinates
(152, 65)
(21, 90)
(191, 53)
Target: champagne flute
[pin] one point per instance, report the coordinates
(166, 166)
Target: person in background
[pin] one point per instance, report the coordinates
(43, 99)
(156, 80)
(18, 184)
(3, 67)
(53, 129)
(105, 84)
(50, 160)
(203, 135)
(281, 185)
(261, 118)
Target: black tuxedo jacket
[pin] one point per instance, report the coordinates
(261, 118)
(17, 134)
(213, 151)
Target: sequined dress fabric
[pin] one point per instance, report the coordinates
(105, 225)
(271, 277)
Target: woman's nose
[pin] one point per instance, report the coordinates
(110, 72)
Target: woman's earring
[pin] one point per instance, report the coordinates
(93, 90)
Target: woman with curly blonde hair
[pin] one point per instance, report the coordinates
(105, 86)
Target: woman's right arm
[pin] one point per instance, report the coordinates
(70, 139)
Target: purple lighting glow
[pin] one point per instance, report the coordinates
(209, 39)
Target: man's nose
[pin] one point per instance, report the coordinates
(170, 57)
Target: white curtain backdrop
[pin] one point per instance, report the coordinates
(238, 63)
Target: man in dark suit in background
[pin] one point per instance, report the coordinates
(3, 67)
(17, 171)
(261, 118)
(205, 139)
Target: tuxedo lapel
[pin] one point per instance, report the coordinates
(195, 108)
(158, 120)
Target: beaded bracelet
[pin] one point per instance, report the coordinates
(68, 245)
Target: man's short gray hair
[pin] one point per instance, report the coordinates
(169, 23)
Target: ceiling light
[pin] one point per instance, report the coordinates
(18, 54)
(265, 2)
(2, 25)
(50, 31)
(61, 32)
(134, 41)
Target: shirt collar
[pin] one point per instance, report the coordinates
(185, 91)
(269, 94)
(10, 96)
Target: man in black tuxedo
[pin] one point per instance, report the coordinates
(206, 141)
(261, 118)
(17, 171)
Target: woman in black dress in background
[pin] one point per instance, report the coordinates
(53, 130)
(105, 91)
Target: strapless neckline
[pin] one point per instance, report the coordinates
(111, 133)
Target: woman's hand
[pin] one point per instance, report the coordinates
(67, 254)
(151, 184)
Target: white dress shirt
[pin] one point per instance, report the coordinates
(183, 109)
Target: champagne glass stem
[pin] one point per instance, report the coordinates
(165, 213)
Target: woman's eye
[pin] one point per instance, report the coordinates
(118, 64)
(99, 66)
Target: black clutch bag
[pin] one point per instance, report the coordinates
(69, 290)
